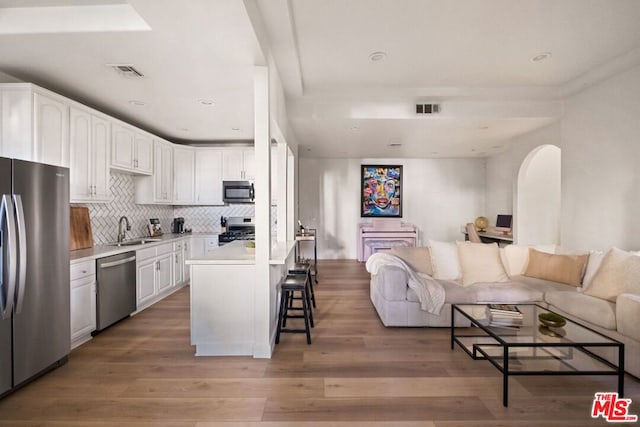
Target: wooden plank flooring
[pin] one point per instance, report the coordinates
(142, 372)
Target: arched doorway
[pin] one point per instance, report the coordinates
(538, 197)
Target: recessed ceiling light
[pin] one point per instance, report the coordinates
(541, 57)
(496, 146)
(235, 129)
(434, 152)
(354, 127)
(184, 129)
(308, 149)
(137, 103)
(483, 127)
(395, 145)
(377, 56)
(206, 102)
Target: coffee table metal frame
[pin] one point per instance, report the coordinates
(494, 340)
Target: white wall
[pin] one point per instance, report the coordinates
(502, 169)
(599, 138)
(537, 219)
(600, 165)
(439, 195)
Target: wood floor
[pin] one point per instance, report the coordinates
(142, 372)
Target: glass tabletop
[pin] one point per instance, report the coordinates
(529, 330)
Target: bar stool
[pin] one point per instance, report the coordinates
(290, 284)
(305, 268)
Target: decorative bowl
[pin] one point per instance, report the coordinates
(552, 320)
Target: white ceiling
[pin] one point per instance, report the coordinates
(471, 56)
(200, 49)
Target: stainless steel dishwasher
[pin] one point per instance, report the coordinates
(116, 296)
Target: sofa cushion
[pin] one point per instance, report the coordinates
(595, 260)
(516, 257)
(418, 258)
(444, 260)
(558, 268)
(480, 262)
(591, 309)
(618, 273)
(628, 315)
(541, 284)
(455, 293)
(506, 292)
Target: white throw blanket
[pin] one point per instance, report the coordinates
(430, 293)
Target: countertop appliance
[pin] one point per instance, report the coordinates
(34, 265)
(178, 225)
(116, 288)
(238, 228)
(238, 192)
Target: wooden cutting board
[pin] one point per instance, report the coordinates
(80, 235)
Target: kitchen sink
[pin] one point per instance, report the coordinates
(134, 242)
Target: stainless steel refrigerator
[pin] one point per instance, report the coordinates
(34, 270)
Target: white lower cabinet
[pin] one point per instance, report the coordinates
(154, 278)
(83, 301)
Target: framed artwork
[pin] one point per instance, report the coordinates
(381, 191)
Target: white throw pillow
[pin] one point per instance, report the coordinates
(619, 273)
(480, 263)
(517, 257)
(444, 260)
(595, 260)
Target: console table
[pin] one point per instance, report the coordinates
(493, 237)
(383, 234)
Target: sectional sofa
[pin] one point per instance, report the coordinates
(600, 290)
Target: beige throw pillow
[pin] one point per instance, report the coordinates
(480, 262)
(444, 260)
(417, 258)
(619, 273)
(567, 269)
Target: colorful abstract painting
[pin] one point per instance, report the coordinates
(381, 191)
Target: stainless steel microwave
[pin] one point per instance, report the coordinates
(238, 192)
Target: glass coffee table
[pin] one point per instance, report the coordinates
(534, 349)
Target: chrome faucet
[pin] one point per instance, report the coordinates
(122, 232)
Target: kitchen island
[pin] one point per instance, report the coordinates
(223, 299)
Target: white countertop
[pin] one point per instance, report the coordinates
(236, 253)
(101, 251)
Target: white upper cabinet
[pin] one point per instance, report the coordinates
(131, 151)
(208, 177)
(184, 175)
(238, 164)
(34, 124)
(89, 157)
(157, 188)
(51, 130)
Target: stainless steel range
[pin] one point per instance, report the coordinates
(238, 228)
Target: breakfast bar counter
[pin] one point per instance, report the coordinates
(226, 294)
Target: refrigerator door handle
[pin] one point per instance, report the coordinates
(22, 248)
(6, 213)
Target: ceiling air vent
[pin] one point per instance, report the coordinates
(126, 70)
(427, 108)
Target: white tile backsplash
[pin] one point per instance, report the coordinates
(104, 216)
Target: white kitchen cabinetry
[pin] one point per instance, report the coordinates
(202, 245)
(208, 177)
(186, 254)
(178, 262)
(83, 301)
(89, 157)
(157, 188)
(131, 151)
(238, 164)
(34, 124)
(51, 130)
(184, 162)
(154, 274)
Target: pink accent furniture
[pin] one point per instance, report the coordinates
(383, 234)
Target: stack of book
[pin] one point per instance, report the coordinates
(504, 315)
